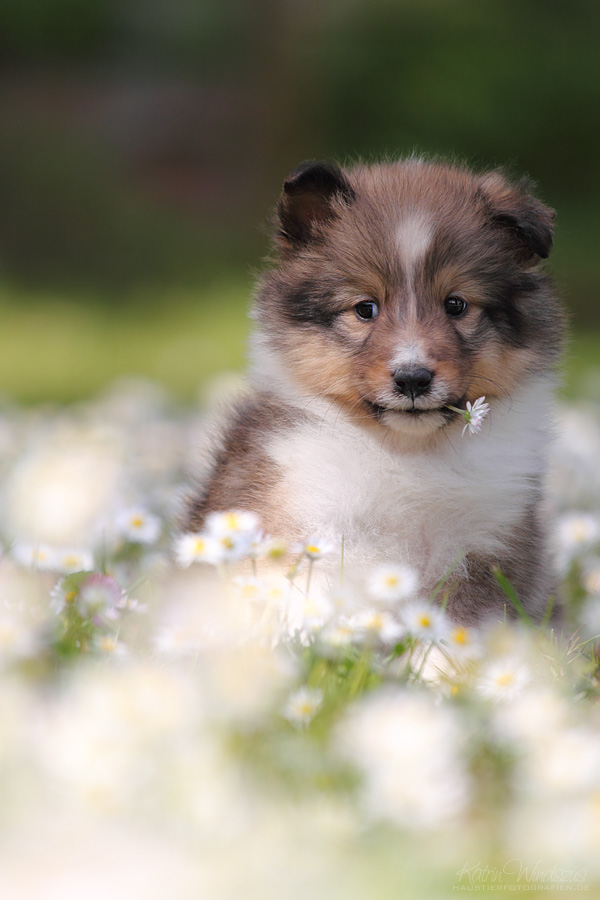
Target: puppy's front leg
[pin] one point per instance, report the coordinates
(477, 596)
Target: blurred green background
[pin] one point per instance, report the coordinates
(143, 144)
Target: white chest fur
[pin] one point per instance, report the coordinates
(423, 508)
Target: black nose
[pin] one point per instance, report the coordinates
(413, 381)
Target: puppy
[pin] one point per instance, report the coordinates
(400, 290)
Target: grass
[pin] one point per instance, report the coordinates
(55, 349)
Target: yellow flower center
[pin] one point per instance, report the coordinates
(505, 680)
(137, 522)
(461, 636)
(311, 548)
(277, 550)
(391, 581)
(232, 521)
(424, 621)
(70, 597)
(592, 582)
(199, 546)
(109, 645)
(311, 607)
(580, 532)
(69, 562)
(227, 543)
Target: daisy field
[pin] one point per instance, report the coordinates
(201, 715)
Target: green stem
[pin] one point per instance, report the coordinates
(510, 592)
(361, 673)
(462, 412)
(423, 661)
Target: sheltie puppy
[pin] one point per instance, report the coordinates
(398, 291)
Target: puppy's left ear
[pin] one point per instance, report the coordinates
(312, 193)
(514, 207)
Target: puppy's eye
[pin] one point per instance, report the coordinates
(366, 309)
(455, 306)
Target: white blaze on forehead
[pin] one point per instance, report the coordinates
(414, 236)
(411, 353)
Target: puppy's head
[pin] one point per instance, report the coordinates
(402, 289)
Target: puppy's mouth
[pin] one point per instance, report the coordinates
(414, 413)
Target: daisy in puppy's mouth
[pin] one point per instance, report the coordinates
(413, 412)
(472, 414)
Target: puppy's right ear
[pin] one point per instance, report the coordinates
(310, 194)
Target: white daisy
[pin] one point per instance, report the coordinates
(273, 548)
(130, 604)
(233, 522)
(17, 640)
(138, 526)
(536, 716)
(263, 546)
(277, 589)
(236, 532)
(408, 750)
(234, 546)
(197, 547)
(503, 678)
(339, 634)
(392, 583)
(109, 645)
(376, 624)
(62, 596)
(308, 613)
(101, 596)
(174, 642)
(34, 556)
(424, 621)
(73, 560)
(248, 587)
(591, 580)
(303, 705)
(475, 414)
(462, 643)
(570, 761)
(316, 548)
(577, 532)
